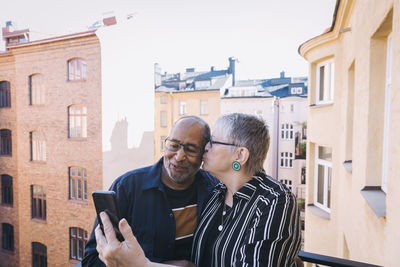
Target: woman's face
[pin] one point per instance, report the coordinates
(218, 158)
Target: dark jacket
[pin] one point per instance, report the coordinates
(142, 202)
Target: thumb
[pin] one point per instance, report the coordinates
(126, 232)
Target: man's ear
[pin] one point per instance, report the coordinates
(242, 155)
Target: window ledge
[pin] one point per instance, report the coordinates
(321, 105)
(319, 212)
(376, 199)
(348, 165)
(7, 251)
(39, 220)
(77, 138)
(6, 205)
(78, 201)
(38, 161)
(76, 81)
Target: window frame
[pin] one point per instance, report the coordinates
(328, 92)
(286, 160)
(287, 131)
(76, 69)
(163, 99)
(77, 121)
(77, 243)
(5, 142)
(327, 181)
(38, 203)
(7, 237)
(38, 146)
(203, 107)
(7, 190)
(39, 255)
(163, 118)
(37, 92)
(5, 94)
(182, 108)
(74, 180)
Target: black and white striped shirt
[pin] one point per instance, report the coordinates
(263, 228)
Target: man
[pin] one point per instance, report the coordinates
(162, 203)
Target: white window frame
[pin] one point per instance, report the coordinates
(386, 120)
(288, 183)
(163, 118)
(182, 108)
(326, 164)
(203, 107)
(163, 99)
(162, 143)
(76, 69)
(329, 79)
(287, 131)
(77, 121)
(287, 158)
(38, 146)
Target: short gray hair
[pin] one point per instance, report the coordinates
(247, 131)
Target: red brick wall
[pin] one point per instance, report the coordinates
(50, 60)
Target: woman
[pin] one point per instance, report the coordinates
(250, 218)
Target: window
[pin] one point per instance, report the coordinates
(288, 183)
(8, 236)
(78, 238)
(182, 108)
(323, 177)
(162, 143)
(38, 194)
(76, 69)
(6, 190)
(303, 175)
(77, 183)
(287, 131)
(163, 118)
(202, 84)
(5, 94)
(291, 107)
(286, 159)
(296, 90)
(36, 90)
(163, 99)
(203, 107)
(386, 122)
(77, 121)
(325, 82)
(39, 255)
(5, 142)
(38, 146)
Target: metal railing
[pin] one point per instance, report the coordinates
(331, 261)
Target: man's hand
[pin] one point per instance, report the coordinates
(115, 253)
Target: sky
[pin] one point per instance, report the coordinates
(263, 35)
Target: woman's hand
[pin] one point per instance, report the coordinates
(115, 253)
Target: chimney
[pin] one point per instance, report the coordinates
(157, 75)
(109, 21)
(12, 36)
(212, 68)
(232, 69)
(282, 74)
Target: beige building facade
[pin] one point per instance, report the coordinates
(353, 186)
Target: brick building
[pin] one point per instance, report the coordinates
(51, 155)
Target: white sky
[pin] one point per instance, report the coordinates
(263, 34)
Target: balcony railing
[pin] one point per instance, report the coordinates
(331, 261)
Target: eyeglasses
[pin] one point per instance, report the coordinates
(190, 150)
(212, 142)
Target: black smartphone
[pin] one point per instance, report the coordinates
(107, 201)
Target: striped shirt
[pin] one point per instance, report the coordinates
(262, 229)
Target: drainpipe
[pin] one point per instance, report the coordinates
(276, 138)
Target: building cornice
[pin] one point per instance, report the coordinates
(340, 18)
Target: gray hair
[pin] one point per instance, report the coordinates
(207, 131)
(247, 131)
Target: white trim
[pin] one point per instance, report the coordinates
(327, 165)
(329, 86)
(386, 118)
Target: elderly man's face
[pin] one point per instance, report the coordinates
(181, 167)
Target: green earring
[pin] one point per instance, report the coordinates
(236, 166)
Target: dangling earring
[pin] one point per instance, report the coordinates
(236, 166)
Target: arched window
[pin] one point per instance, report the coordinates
(36, 90)
(39, 255)
(77, 183)
(5, 94)
(38, 146)
(76, 69)
(5, 142)
(38, 197)
(77, 121)
(6, 189)
(78, 238)
(8, 236)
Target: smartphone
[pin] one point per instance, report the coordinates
(107, 201)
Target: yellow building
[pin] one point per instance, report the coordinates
(189, 93)
(353, 188)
